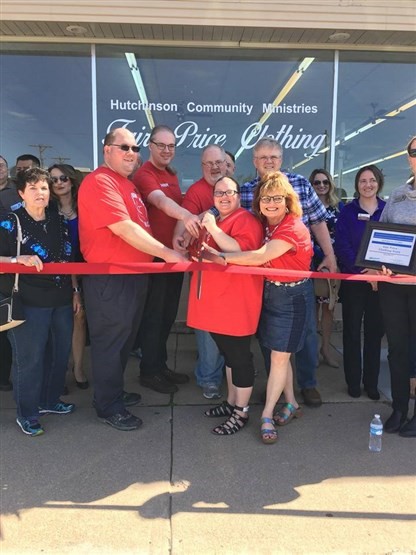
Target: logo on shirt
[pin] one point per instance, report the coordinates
(141, 209)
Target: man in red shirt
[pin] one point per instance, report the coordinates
(114, 227)
(158, 185)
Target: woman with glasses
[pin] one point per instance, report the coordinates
(286, 303)
(360, 299)
(228, 306)
(64, 191)
(324, 186)
(398, 304)
(158, 185)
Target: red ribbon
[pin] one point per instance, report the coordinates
(82, 268)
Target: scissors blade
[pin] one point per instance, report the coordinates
(199, 280)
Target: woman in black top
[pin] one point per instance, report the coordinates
(41, 345)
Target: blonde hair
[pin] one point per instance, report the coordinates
(277, 182)
(331, 196)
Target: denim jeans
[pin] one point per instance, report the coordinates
(307, 357)
(41, 348)
(210, 364)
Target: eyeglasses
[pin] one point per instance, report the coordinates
(229, 193)
(61, 178)
(273, 158)
(162, 146)
(213, 164)
(126, 148)
(318, 182)
(412, 153)
(277, 199)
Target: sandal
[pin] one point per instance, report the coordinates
(224, 409)
(234, 423)
(282, 418)
(268, 435)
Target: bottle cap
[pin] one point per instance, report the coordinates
(376, 416)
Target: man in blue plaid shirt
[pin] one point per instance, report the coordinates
(267, 157)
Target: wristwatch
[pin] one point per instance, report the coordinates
(13, 260)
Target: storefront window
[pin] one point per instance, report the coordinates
(376, 115)
(227, 97)
(45, 103)
(231, 97)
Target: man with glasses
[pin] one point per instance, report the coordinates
(198, 199)
(159, 187)
(267, 157)
(114, 227)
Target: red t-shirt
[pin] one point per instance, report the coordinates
(199, 197)
(147, 179)
(294, 231)
(230, 304)
(105, 198)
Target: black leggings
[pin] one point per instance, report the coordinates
(237, 354)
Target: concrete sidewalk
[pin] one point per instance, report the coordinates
(173, 487)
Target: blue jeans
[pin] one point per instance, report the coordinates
(41, 348)
(209, 368)
(307, 357)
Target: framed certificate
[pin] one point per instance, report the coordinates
(390, 245)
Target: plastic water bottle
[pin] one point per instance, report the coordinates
(376, 433)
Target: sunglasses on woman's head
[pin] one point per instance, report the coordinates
(318, 182)
(412, 153)
(61, 178)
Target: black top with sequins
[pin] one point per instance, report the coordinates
(49, 239)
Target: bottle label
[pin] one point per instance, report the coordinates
(376, 430)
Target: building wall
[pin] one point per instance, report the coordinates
(319, 14)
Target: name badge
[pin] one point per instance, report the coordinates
(363, 217)
(164, 184)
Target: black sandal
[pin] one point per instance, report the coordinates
(224, 409)
(234, 423)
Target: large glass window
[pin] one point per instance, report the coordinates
(376, 115)
(231, 97)
(45, 102)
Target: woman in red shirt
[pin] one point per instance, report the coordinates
(228, 306)
(286, 308)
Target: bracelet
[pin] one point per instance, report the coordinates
(76, 289)
(222, 255)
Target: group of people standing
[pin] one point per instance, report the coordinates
(122, 214)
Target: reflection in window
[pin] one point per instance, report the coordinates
(46, 103)
(229, 97)
(376, 115)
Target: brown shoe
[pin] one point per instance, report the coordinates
(311, 397)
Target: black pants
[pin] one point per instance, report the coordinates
(398, 303)
(360, 301)
(5, 358)
(237, 355)
(114, 306)
(158, 318)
